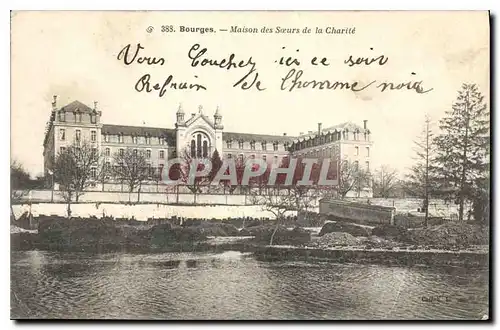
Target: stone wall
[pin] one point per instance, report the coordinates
(357, 212)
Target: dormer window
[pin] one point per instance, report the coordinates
(93, 118)
(62, 116)
(264, 145)
(275, 146)
(78, 117)
(148, 139)
(120, 138)
(252, 145)
(229, 144)
(134, 139)
(240, 144)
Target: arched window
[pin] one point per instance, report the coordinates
(205, 148)
(193, 148)
(200, 145)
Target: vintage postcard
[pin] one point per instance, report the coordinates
(259, 165)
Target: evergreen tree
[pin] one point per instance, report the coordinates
(463, 146)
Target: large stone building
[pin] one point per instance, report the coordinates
(199, 135)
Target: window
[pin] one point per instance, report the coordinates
(92, 118)
(78, 135)
(120, 138)
(229, 144)
(356, 165)
(94, 151)
(264, 145)
(240, 157)
(275, 160)
(357, 150)
(62, 134)
(367, 165)
(160, 170)
(134, 139)
(367, 151)
(275, 146)
(240, 144)
(107, 152)
(162, 154)
(121, 152)
(62, 149)
(148, 154)
(62, 116)
(134, 152)
(107, 166)
(252, 145)
(264, 157)
(93, 173)
(229, 156)
(252, 157)
(93, 136)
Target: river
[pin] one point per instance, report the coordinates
(234, 285)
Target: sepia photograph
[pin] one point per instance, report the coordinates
(250, 165)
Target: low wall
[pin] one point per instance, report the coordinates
(144, 211)
(437, 207)
(151, 197)
(357, 212)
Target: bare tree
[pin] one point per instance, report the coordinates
(385, 181)
(131, 166)
(351, 178)
(278, 204)
(19, 184)
(419, 179)
(76, 169)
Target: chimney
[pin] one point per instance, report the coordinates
(284, 134)
(193, 115)
(319, 128)
(364, 123)
(310, 132)
(95, 105)
(54, 102)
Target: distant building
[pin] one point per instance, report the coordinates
(199, 135)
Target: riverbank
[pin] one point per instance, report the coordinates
(337, 242)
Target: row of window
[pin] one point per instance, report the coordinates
(252, 145)
(107, 152)
(77, 116)
(326, 138)
(135, 139)
(356, 148)
(78, 135)
(367, 165)
(151, 170)
(93, 137)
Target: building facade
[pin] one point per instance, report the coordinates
(199, 135)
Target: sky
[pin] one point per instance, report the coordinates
(74, 55)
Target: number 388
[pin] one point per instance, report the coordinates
(167, 28)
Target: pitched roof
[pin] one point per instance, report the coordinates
(339, 127)
(256, 137)
(77, 106)
(168, 134)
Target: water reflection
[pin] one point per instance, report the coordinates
(232, 285)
